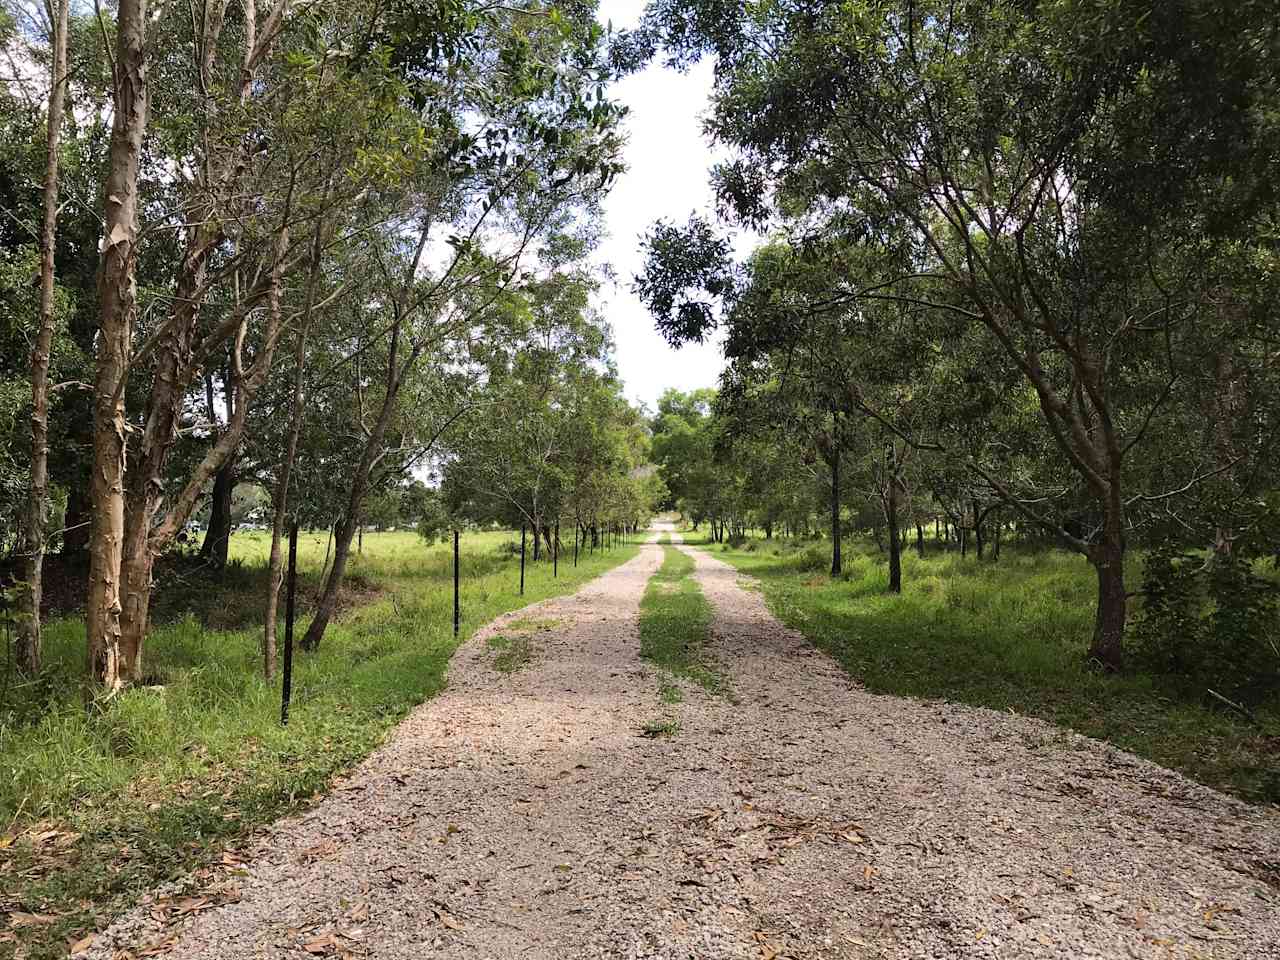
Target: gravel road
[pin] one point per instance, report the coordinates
(526, 813)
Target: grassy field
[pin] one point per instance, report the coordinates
(99, 805)
(1009, 635)
(675, 621)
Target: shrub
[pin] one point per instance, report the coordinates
(813, 558)
(1208, 626)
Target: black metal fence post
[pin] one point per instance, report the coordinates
(457, 610)
(522, 559)
(291, 591)
(555, 552)
(575, 543)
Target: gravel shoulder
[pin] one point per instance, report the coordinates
(524, 813)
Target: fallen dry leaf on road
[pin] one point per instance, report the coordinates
(322, 946)
(320, 851)
(20, 919)
(192, 905)
(359, 913)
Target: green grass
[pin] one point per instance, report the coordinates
(1010, 635)
(510, 653)
(653, 729)
(515, 652)
(675, 622)
(156, 782)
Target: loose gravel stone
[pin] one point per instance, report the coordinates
(527, 814)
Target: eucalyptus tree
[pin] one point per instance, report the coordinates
(607, 473)
(683, 449)
(791, 358)
(35, 529)
(522, 142)
(281, 137)
(245, 85)
(118, 309)
(1046, 170)
(515, 460)
(32, 37)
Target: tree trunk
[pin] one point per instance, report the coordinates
(359, 484)
(1107, 558)
(145, 542)
(920, 540)
(836, 564)
(328, 550)
(343, 533)
(1225, 411)
(217, 539)
(38, 493)
(275, 563)
(895, 541)
(118, 307)
(146, 479)
(995, 540)
(977, 530)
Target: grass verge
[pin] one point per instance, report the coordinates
(98, 806)
(675, 622)
(1009, 635)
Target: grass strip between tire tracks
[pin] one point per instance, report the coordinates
(675, 625)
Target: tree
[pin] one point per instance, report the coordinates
(1006, 163)
(118, 307)
(545, 148)
(38, 498)
(683, 450)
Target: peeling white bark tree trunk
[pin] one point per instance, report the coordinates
(38, 499)
(118, 309)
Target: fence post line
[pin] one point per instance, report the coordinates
(522, 559)
(457, 610)
(290, 607)
(575, 543)
(555, 551)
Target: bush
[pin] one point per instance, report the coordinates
(813, 558)
(1208, 626)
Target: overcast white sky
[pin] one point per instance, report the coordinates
(667, 178)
